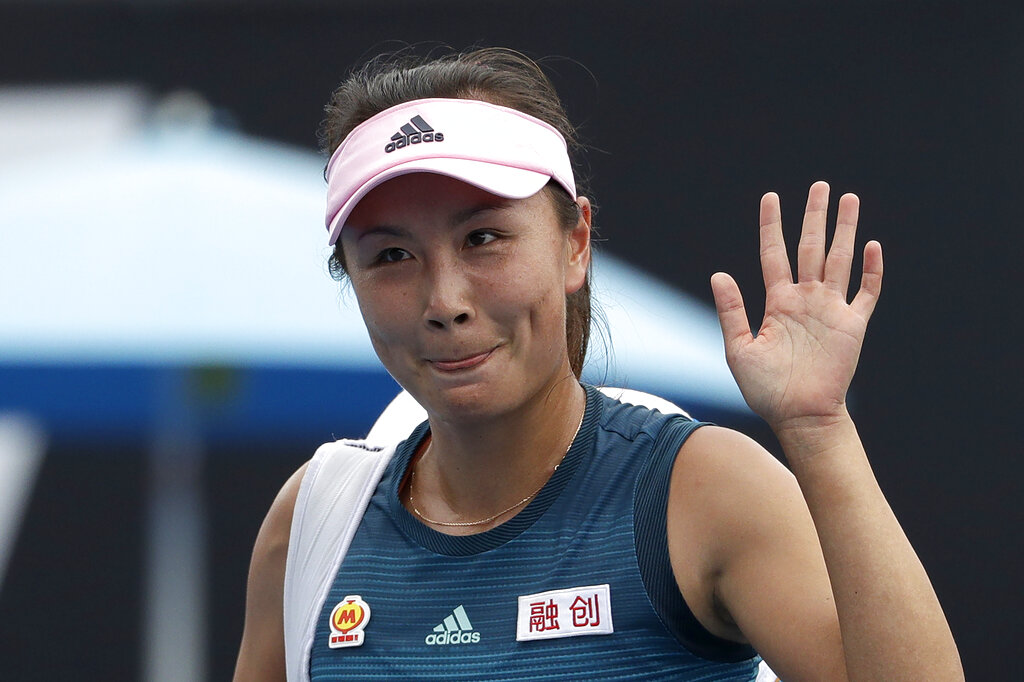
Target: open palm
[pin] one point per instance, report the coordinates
(804, 356)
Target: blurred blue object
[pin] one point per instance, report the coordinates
(139, 239)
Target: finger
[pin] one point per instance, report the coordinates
(732, 315)
(870, 281)
(840, 254)
(774, 260)
(810, 255)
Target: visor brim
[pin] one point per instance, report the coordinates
(504, 181)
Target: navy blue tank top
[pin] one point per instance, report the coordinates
(578, 585)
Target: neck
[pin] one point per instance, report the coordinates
(469, 472)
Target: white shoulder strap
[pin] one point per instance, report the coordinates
(633, 397)
(332, 498)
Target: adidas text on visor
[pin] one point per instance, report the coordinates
(500, 150)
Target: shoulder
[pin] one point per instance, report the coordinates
(266, 571)
(745, 552)
(730, 472)
(731, 487)
(721, 484)
(272, 541)
(261, 655)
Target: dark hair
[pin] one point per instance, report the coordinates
(496, 75)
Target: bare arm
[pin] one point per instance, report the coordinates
(795, 374)
(746, 556)
(890, 617)
(261, 655)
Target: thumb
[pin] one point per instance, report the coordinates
(732, 315)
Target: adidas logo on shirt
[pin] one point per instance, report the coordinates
(414, 132)
(455, 629)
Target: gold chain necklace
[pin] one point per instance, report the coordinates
(450, 524)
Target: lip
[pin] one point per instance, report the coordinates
(467, 362)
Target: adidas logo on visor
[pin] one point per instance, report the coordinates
(454, 629)
(414, 132)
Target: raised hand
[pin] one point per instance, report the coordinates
(799, 366)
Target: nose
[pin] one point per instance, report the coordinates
(447, 297)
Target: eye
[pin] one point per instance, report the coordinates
(392, 255)
(480, 237)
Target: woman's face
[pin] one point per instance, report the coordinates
(463, 292)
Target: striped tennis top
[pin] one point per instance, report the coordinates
(578, 585)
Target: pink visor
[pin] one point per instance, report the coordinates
(500, 150)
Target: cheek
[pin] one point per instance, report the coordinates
(384, 313)
(387, 325)
(530, 295)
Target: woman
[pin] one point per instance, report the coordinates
(533, 527)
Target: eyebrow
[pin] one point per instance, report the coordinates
(460, 217)
(387, 230)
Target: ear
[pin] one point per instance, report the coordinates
(578, 249)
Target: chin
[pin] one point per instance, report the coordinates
(466, 402)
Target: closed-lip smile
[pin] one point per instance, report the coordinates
(467, 362)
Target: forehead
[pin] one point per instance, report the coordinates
(414, 189)
(418, 197)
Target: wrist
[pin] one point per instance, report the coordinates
(811, 425)
(815, 437)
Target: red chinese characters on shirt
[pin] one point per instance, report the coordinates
(586, 612)
(569, 612)
(543, 616)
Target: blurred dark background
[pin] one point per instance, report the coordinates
(692, 110)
